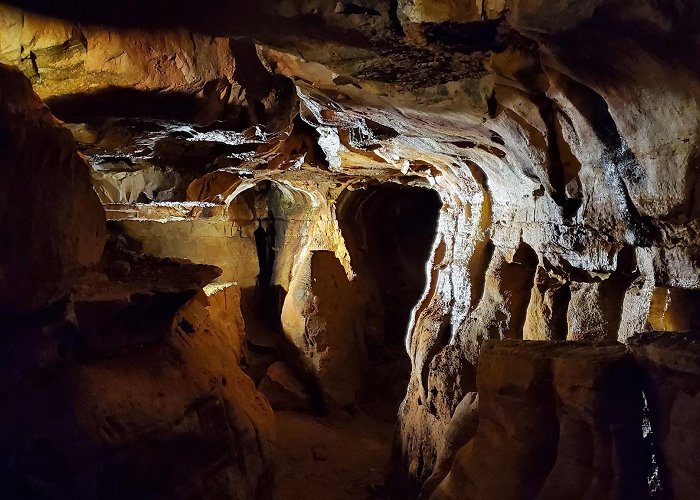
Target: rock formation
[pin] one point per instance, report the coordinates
(418, 201)
(556, 421)
(129, 385)
(53, 224)
(669, 366)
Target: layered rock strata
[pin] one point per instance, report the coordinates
(563, 152)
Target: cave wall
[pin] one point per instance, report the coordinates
(120, 375)
(52, 221)
(201, 234)
(562, 140)
(87, 70)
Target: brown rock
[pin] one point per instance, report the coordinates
(53, 225)
(173, 419)
(461, 429)
(556, 420)
(114, 311)
(670, 364)
(318, 315)
(282, 389)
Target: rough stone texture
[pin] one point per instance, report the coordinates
(92, 70)
(460, 431)
(283, 390)
(203, 234)
(556, 420)
(171, 417)
(65, 59)
(52, 223)
(318, 318)
(670, 365)
(132, 299)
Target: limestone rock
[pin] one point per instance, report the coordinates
(461, 429)
(175, 418)
(116, 310)
(563, 154)
(556, 420)
(52, 222)
(670, 364)
(320, 318)
(201, 233)
(282, 389)
(65, 58)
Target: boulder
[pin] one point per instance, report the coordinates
(318, 316)
(556, 420)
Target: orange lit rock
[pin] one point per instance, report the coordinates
(171, 416)
(561, 139)
(556, 420)
(282, 389)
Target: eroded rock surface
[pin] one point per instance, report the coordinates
(561, 140)
(283, 390)
(53, 225)
(557, 420)
(670, 364)
(168, 415)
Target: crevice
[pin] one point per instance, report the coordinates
(618, 163)
(394, 20)
(483, 246)
(562, 165)
(517, 281)
(655, 472)
(477, 36)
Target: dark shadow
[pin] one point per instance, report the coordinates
(213, 17)
(125, 102)
(389, 230)
(466, 37)
(517, 280)
(264, 243)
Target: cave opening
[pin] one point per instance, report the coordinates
(389, 230)
(336, 419)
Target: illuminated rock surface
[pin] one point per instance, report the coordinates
(390, 184)
(556, 420)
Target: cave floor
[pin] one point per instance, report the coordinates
(332, 457)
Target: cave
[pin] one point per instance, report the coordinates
(367, 249)
(389, 230)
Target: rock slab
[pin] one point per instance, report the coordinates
(556, 420)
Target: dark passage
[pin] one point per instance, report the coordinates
(389, 230)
